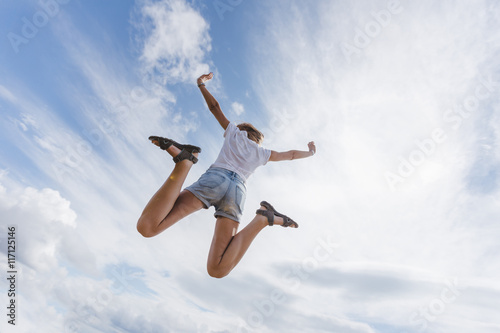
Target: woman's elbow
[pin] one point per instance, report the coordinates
(214, 106)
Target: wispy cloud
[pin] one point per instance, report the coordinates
(88, 170)
(370, 112)
(6, 94)
(237, 108)
(176, 40)
(100, 162)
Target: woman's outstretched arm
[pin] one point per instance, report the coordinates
(212, 103)
(293, 154)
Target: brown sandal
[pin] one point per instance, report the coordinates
(186, 150)
(164, 143)
(270, 212)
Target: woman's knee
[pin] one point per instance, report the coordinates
(216, 271)
(144, 229)
(218, 274)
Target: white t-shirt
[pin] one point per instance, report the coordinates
(240, 154)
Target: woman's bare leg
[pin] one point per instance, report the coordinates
(155, 217)
(228, 247)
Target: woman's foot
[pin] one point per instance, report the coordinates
(172, 150)
(273, 217)
(277, 219)
(187, 153)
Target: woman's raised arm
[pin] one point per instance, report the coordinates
(212, 103)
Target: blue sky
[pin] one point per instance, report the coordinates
(398, 210)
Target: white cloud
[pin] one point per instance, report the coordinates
(43, 220)
(177, 40)
(237, 108)
(364, 115)
(85, 265)
(108, 169)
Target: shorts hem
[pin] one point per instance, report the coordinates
(222, 214)
(198, 196)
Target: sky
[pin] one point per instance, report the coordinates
(398, 209)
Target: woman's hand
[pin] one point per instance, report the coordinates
(204, 78)
(312, 147)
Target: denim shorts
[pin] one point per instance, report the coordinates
(223, 189)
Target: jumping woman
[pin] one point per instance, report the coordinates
(223, 186)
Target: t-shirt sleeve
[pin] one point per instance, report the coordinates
(264, 155)
(231, 127)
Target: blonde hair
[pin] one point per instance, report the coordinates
(252, 133)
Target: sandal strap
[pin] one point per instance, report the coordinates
(289, 222)
(267, 205)
(267, 213)
(190, 148)
(164, 143)
(185, 155)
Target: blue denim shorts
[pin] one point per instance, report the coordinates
(223, 189)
